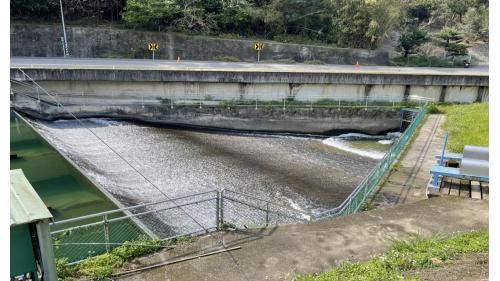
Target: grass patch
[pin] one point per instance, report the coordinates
(367, 206)
(416, 253)
(466, 124)
(103, 266)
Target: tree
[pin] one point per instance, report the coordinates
(411, 40)
(449, 34)
(456, 49)
(476, 22)
(421, 9)
(150, 12)
(451, 40)
(459, 7)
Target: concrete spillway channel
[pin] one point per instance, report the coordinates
(296, 168)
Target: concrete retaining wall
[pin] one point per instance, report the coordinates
(93, 42)
(326, 121)
(126, 92)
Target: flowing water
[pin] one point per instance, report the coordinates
(305, 173)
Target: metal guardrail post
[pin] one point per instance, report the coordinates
(106, 232)
(267, 213)
(217, 210)
(221, 207)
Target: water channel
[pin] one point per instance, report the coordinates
(304, 172)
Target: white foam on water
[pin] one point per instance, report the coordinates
(358, 136)
(385, 141)
(344, 145)
(296, 206)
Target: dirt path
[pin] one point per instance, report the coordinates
(283, 252)
(408, 183)
(468, 267)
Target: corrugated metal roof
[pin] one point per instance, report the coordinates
(25, 204)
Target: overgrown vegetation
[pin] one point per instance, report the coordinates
(101, 267)
(466, 124)
(344, 23)
(416, 253)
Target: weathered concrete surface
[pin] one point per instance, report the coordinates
(281, 253)
(168, 71)
(408, 183)
(325, 121)
(167, 79)
(99, 42)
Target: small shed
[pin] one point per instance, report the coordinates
(30, 241)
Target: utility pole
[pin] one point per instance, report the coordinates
(65, 43)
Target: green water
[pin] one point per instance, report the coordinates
(62, 188)
(66, 192)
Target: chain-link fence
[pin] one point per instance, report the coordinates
(246, 211)
(79, 238)
(354, 201)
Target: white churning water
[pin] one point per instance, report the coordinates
(301, 172)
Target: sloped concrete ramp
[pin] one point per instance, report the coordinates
(282, 252)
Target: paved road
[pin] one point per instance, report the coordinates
(140, 64)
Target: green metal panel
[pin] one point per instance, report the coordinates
(22, 257)
(25, 204)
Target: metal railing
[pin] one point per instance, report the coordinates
(355, 200)
(81, 237)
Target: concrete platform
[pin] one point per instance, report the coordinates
(283, 252)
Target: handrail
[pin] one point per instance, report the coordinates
(129, 208)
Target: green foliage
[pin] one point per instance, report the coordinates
(433, 108)
(408, 255)
(421, 9)
(456, 49)
(451, 40)
(476, 22)
(99, 267)
(449, 34)
(102, 266)
(466, 125)
(344, 23)
(73, 9)
(139, 247)
(458, 7)
(367, 206)
(411, 39)
(64, 271)
(150, 13)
